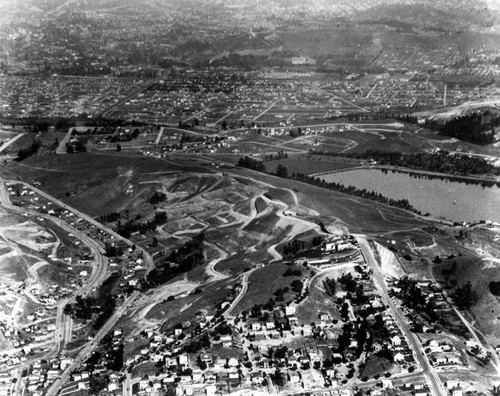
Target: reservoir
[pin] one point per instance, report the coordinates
(451, 199)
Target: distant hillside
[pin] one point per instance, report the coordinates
(444, 14)
(397, 8)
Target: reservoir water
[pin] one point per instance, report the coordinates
(451, 199)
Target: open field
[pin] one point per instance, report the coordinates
(78, 178)
(241, 262)
(264, 282)
(318, 302)
(308, 164)
(173, 312)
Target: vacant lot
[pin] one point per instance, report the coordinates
(94, 183)
(264, 282)
(317, 302)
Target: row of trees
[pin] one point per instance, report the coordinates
(181, 261)
(351, 190)
(32, 149)
(128, 228)
(252, 163)
(293, 247)
(441, 161)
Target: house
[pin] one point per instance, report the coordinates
(386, 384)
(207, 359)
(294, 377)
(399, 358)
(143, 384)
(440, 359)
(226, 340)
(471, 344)
(256, 326)
(197, 376)
(396, 340)
(270, 325)
(210, 377)
(453, 359)
(113, 386)
(324, 317)
(257, 378)
(210, 390)
(452, 384)
(183, 361)
(290, 310)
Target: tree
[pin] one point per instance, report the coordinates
(280, 378)
(282, 171)
(464, 296)
(296, 285)
(118, 147)
(330, 286)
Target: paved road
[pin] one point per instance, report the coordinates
(435, 384)
(9, 142)
(148, 260)
(236, 301)
(61, 148)
(63, 322)
(92, 345)
(145, 86)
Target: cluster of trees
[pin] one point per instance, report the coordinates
(109, 217)
(113, 250)
(157, 197)
(292, 272)
(282, 171)
(330, 286)
(352, 287)
(293, 247)
(77, 147)
(470, 128)
(296, 286)
(360, 330)
(103, 305)
(32, 149)
(197, 345)
(125, 137)
(351, 190)
(440, 161)
(494, 288)
(252, 163)
(280, 293)
(464, 296)
(182, 260)
(128, 228)
(280, 155)
(413, 297)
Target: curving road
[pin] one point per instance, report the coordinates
(63, 322)
(244, 288)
